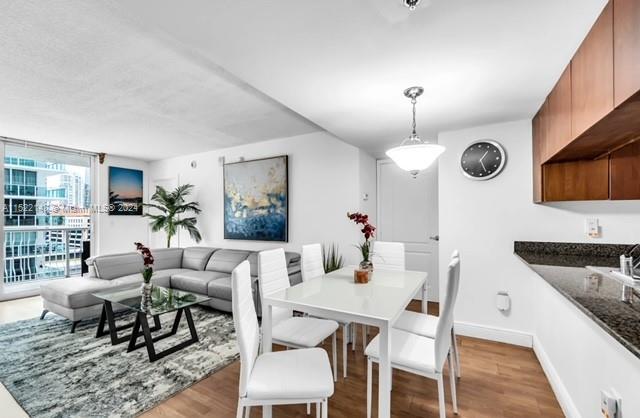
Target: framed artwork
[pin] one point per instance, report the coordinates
(125, 191)
(256, 200)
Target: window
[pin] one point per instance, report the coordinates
(46, 215)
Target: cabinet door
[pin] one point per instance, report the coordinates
(545, 123)
(576, 180)
(537, 159)
(626, 43)
(559, 115)
(592, 75)
(625, 172)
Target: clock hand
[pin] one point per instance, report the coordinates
(482, 158)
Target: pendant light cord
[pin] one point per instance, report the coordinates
(413, 102)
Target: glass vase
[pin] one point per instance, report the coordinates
(366, 265)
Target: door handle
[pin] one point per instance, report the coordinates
(435, 238)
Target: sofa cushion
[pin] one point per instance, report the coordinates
(163, 277)
(167, 258)
(292, 260)
(109, 267)
(129, 280)
(220, 288)
(74, 292)
(195, 281)
(226, 260)
(195, 258)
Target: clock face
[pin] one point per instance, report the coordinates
(483, 160)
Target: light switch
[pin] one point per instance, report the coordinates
(592, 228)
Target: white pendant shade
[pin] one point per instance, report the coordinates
(415, 157)
(413, 154)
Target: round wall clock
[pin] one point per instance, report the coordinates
(483, 159)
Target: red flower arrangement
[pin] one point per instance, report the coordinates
(368, 231)
(147, 257)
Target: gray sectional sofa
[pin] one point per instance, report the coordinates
(202, 270)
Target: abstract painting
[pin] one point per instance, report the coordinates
(125, 191)
(256, 200)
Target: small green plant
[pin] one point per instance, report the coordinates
(331, 258)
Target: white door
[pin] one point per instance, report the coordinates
(408, 213)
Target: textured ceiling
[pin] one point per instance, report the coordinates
(83, 74)
(344, 63)
(153, 78)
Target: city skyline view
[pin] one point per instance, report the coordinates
(47, 216)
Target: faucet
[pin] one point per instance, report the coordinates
(629, 267)
(629, 255)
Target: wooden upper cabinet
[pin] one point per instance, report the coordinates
(592, 75)
(626, 43)
(537, 159)
(543, 131)
(625, 172)
(559, 115)
(576, 180)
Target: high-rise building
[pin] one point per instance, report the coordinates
(74, 187)
(36, 195)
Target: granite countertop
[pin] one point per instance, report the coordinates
(563, 266)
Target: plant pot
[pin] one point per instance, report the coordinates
(361, 276)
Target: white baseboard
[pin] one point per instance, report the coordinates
(524, 339)
(19, 293)
(503, 335)
(559, 389)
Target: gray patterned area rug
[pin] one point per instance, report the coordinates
(52, 373)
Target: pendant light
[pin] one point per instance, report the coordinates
(414, 154)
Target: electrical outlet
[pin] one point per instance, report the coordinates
(592, 228)
(610, 405)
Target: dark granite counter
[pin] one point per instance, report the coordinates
(563, 266)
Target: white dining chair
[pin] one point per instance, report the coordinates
(426, 325)
(388, 255)
(275, 378)
(289, 330)
(421, 355)
(312, 267)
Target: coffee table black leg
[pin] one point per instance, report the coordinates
(113, 333)
(135, 332)
(141, 322)
(103, 317)
(146, 332)
(176, 322)
(192, 327)
(108, 317)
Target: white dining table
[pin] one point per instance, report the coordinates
(336, 296)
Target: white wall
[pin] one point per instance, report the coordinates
(580, 358)
(325, 182)
(368, 185)
(483, 219)
(116, 234)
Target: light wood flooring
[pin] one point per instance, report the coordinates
(498, 381)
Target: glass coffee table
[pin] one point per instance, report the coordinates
(161, 301)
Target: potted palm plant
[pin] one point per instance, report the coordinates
(171, 205)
